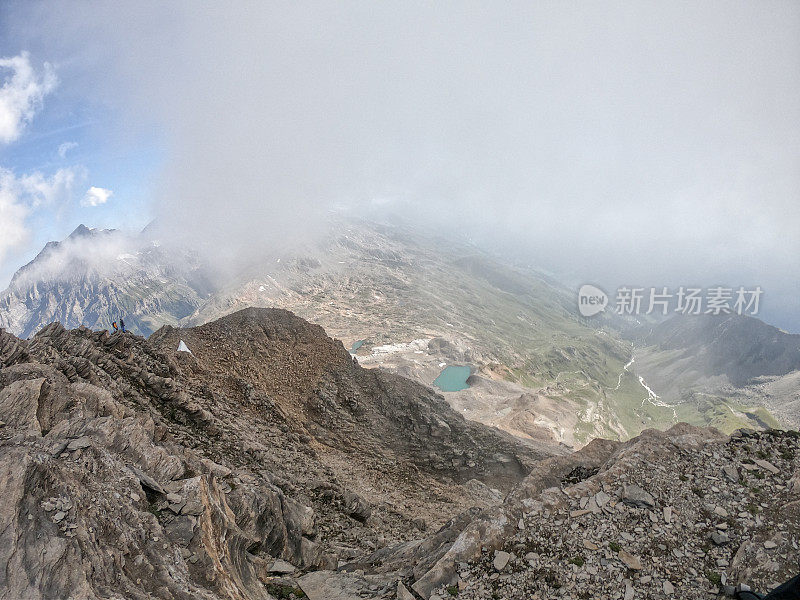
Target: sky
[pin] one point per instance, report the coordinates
(616, 143)
(58, 166)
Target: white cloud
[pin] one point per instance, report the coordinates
(22, 94)
(95, 196)
(19, 196)
(13, 213)
(39, 190)
(66, 147)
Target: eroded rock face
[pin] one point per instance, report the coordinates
(130, 470)
(277, 359)
(86, 508)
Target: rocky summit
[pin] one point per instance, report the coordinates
(262, 461)
(134, 470)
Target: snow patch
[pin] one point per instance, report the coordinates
(419, 344)
(182, 347)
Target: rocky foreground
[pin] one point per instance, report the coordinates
(684, 514)
(267, 464)
(132, 470)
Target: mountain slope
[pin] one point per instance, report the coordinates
(95, 277)
(739, 348)
(413, 302)
(315, 382)
(740, 361)
(416, 301)
(132, 469)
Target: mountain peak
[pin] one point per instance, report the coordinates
(82, 231)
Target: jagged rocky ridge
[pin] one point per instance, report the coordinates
(133, 470)
(267, 463)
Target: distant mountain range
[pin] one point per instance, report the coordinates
(417, 302)
(693, 358)
(739, 348)
(97, 276)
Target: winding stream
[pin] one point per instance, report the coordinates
(651, 397)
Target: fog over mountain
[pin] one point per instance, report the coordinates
(619, 143)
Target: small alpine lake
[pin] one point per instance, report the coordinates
(453, 378)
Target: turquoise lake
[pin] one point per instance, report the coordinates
(452, 379)
(356, 346)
